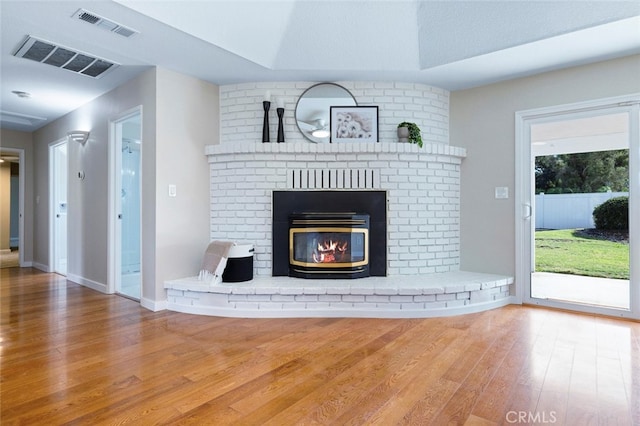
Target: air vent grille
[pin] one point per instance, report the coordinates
(87, 17)
(104, 23)
(38, 51)
(63, 57)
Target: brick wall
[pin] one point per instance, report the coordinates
(423, 191)
(241, 112)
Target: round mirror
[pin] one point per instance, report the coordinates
(312, 109)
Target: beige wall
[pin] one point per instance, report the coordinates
(179, 117)
(88, 198)
(24, 141)
(483, 122)
(187, 121)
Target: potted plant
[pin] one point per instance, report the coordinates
(409, 132)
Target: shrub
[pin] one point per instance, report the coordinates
(613, 214)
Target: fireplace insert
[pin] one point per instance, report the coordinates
(329, 245)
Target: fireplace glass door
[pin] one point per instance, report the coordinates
(331, 251)
(333, 247)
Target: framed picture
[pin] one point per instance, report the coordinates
(354, 123)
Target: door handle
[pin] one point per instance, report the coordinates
(529, 211)
(120, 216)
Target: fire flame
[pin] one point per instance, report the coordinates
(327, 250)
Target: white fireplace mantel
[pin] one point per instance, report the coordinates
(334, 148)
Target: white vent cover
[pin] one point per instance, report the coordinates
(104, 23)
(333, 178)
(62, 57)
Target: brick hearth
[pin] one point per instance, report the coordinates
(423, 296)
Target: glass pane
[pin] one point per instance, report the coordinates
(581, 165)
(329, 247)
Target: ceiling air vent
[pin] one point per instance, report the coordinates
(104, 23)
(62, 57)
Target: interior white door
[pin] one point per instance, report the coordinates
(59, 181)
(125, 205)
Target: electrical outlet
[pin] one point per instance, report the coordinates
(502, 192)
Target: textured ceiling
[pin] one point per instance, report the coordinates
(388, 35)
(449, 44)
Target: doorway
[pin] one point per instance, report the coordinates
(581, 164)
(58, 184)
(125, 205)
(598, 127)
(11, 192)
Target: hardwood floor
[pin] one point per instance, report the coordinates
(73, 355)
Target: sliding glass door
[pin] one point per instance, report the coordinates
(578, 225)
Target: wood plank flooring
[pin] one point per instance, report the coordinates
(70, 355)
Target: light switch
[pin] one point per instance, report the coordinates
(173, 191)
(502, 192)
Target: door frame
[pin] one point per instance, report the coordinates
(52, 208)
(21, 188)
(524, 201)
(114, 260)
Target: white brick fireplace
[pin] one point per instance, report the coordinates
(423, 195)
(422, 187)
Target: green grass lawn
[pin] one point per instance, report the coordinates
(563, 251)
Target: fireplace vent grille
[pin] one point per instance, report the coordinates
(333, 179)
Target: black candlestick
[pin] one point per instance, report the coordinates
(280, 126)
(265, 123)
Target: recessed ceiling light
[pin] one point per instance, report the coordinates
(21, 94)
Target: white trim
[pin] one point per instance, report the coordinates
(94, 285)
(40, 266)
(154, 305)
(634, 207)
(21, 189)
(524, 190)
(51, 202)
(113, 238)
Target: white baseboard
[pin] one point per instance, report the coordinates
(153, 305)
(41, 267)
(94, 285)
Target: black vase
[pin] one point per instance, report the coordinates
(280, 125)
(265, 123)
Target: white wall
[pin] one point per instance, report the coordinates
(179, 118)
(483, 122)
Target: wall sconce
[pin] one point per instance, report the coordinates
(79, 136)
